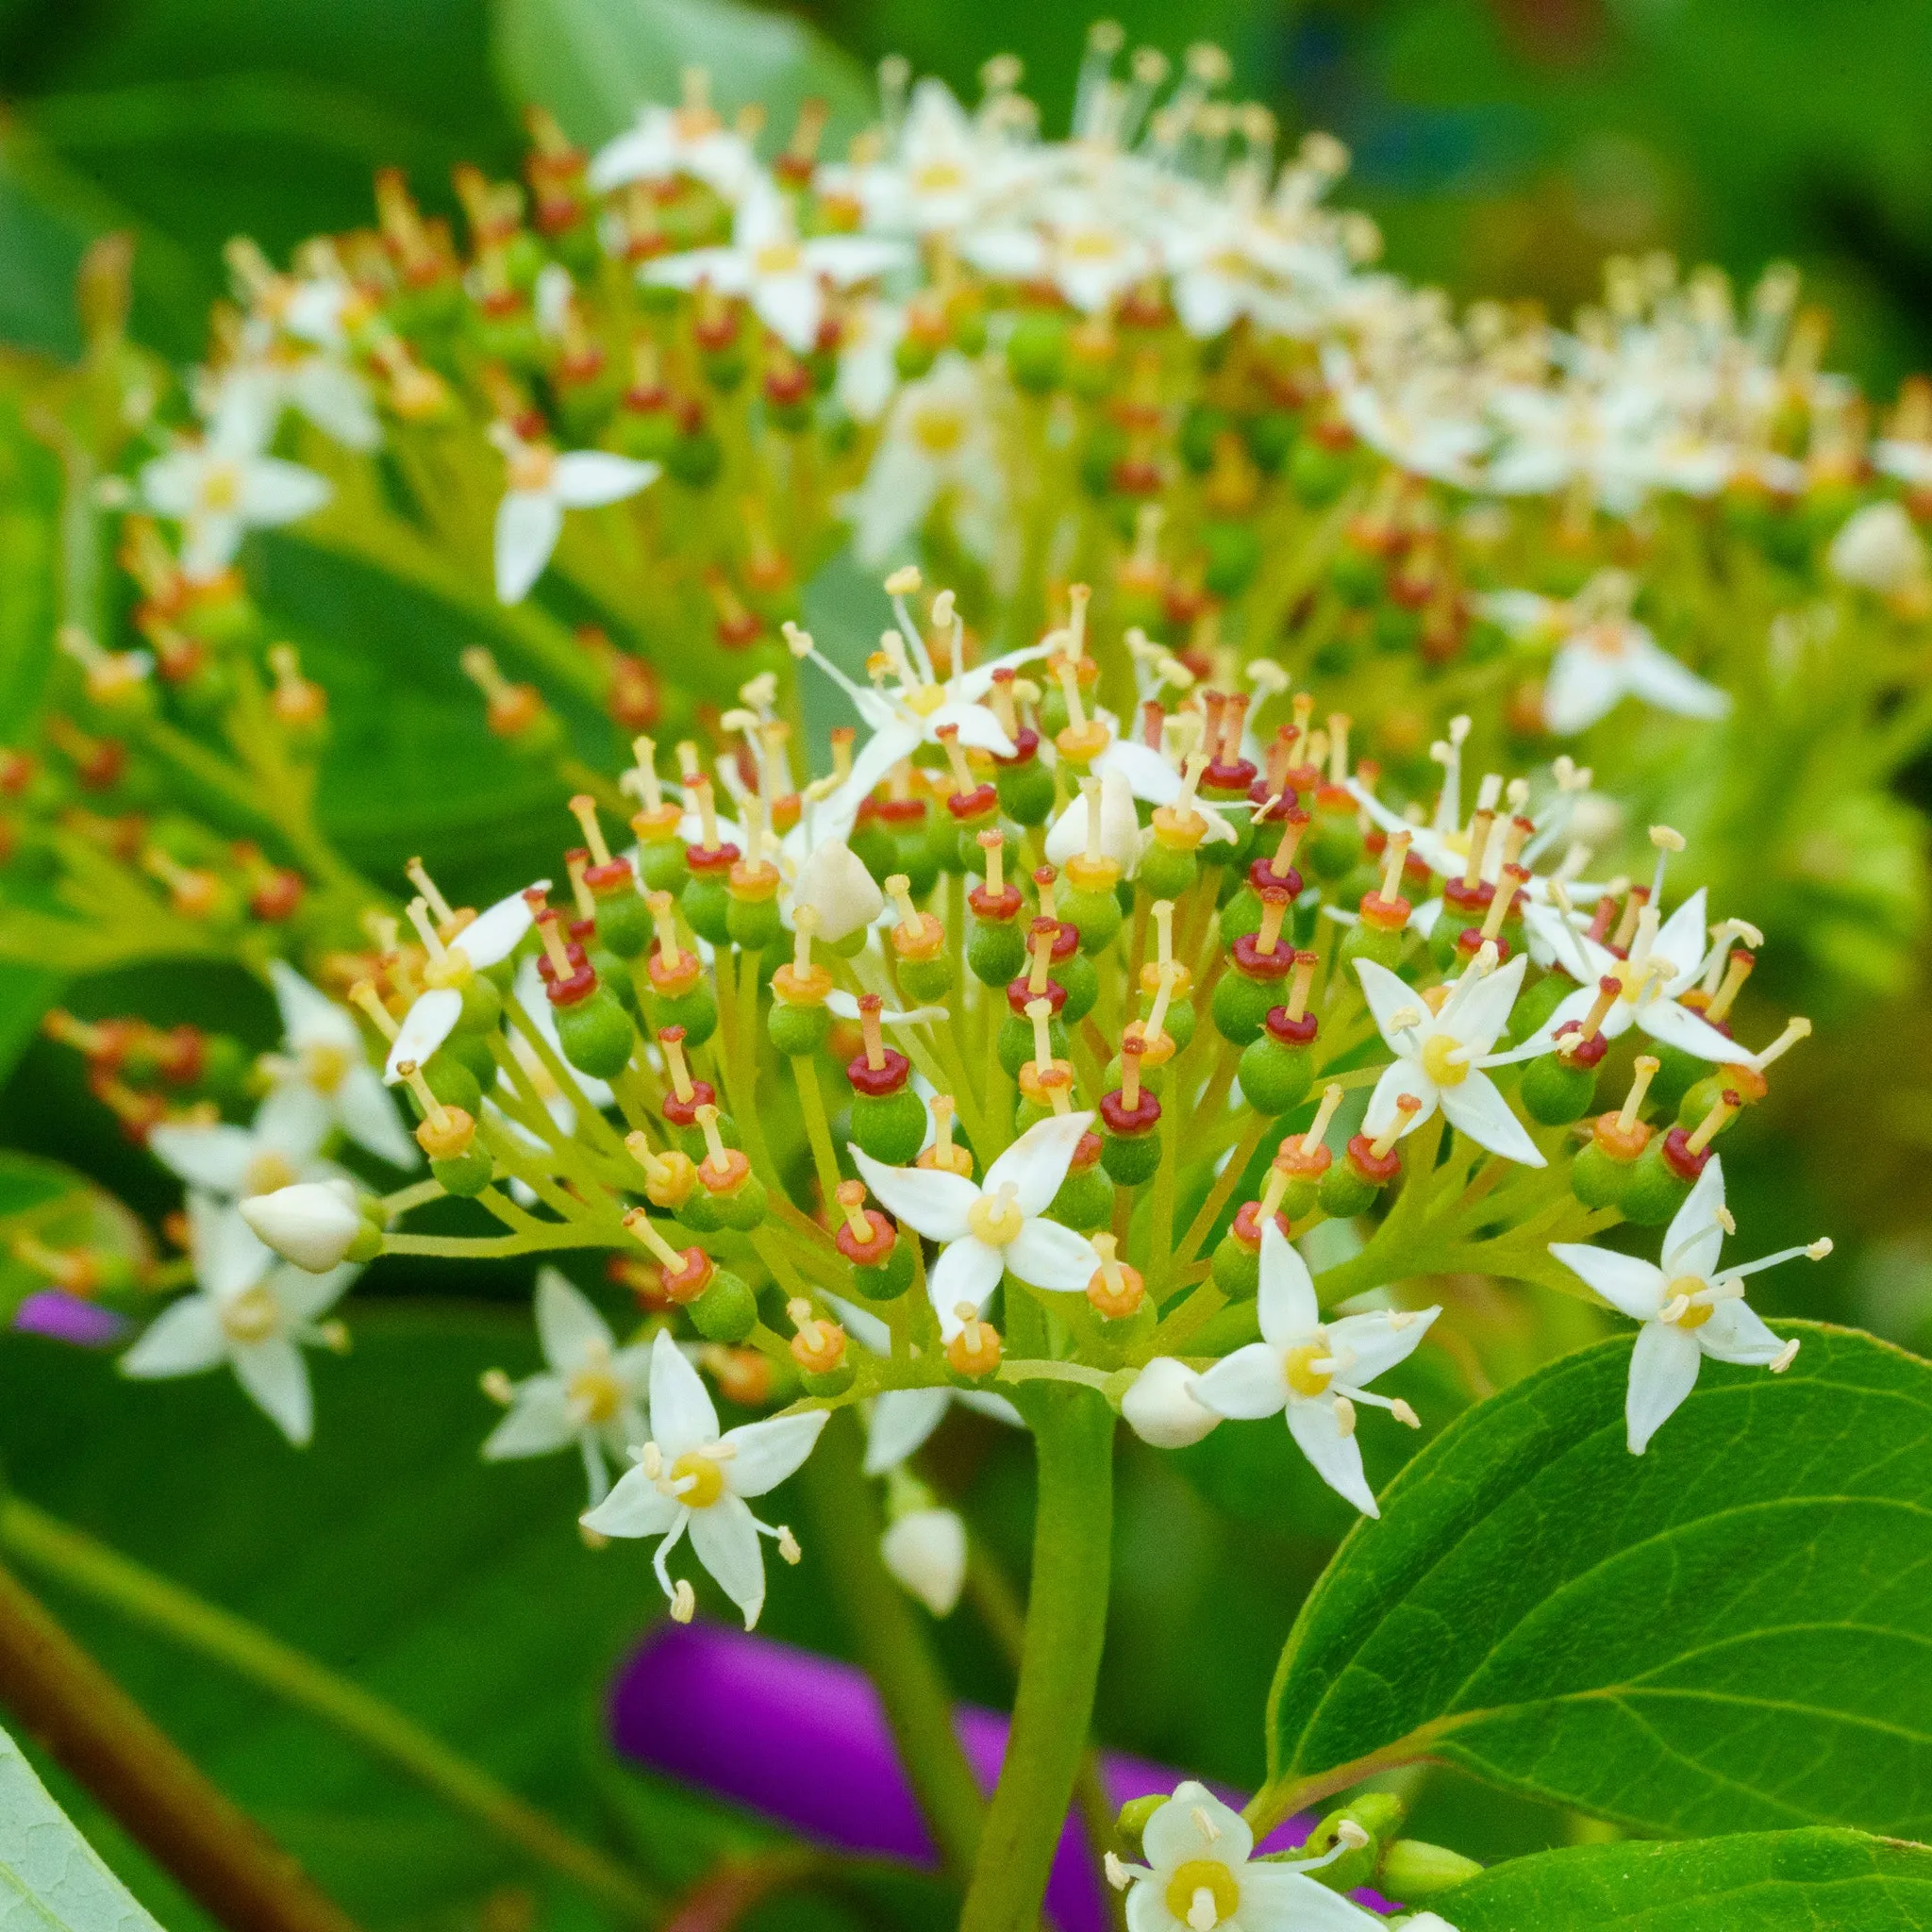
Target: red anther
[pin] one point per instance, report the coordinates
(1025, 748)
(684, 1113)
(1129, 1121)
(1679, 1158)
(1378, 1169)
(1255, 964)
(1291, 1032)
(1263, 881)
(712, 857)
(1247, 1226)
(982, 802)
(1019, 992)
(878, 1082)
(614, 876)
(1000, 907)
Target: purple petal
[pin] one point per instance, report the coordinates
(64, 1317)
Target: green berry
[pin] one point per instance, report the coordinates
(707, 905)
(1167, 872)
(696, 1011)
(1015, 1047)
(1240, 1006)
(745, 1207)
(926, 980)
(482, 1006)
(467, 1172)
(624, 924)
(996, 951)
(595, 1034)
(1276, 1077)
(453, 1083)
(888, 1281)
(660, 865)
(832, 1382)
(1237, 1269)
(727, 1310)
(1556, 1094)
(752, 924)
(1097, 915)
(1653, 1192)
(1364, 941)
(1026, 793)
(1085, 1200)
(1077, 974)
(1131, 1159)
(798, 1032)
(1343, 1192)
(891, 1128)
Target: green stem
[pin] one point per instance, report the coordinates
(818, 1130)
(894, 1650)
(55, 1550)
(218, 1853)
(1066, 1621)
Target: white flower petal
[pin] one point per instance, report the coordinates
(1663, 1370)
(495, 932)
(1386, 996)
(369, 1118)
(181, 1341)
(1656, 677)
(1047, 1254)
(1173, 1835)
(768, 1452)
(1246, 1385)
(1162, 1408)
(1377, 1343)
(528, 523)
(1477, 1108)
(635, 1506)
(1678, 1026)
(569, 1328)
(1695, 1237)
(1035, 1164)
(1399, 1077)
(275, 1377)
(216, 1156)
(276, 492)
(727, 1543)
(902, 1419)
(1337, 1459)
(933, 1203)
(431, 1019)
(586, 478)
(1736, 1334)
(1286, 1306)
(228, 1255)
(1583, 686)
(682, 1418)
(538, 1422)
(966, 1270)
(1632, 1286)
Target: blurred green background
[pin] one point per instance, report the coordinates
(1507, 145)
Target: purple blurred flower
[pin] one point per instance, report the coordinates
(64, 1317)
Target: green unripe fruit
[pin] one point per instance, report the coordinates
(467, 1172)
(918, 861)
(1556, 1094)
(453, 1083)
(1363, 940)
(1199, 428)
(1077, 972)
(1702, 1096)
(743, 1208)
(1354, 576)
(700, 1213)
(473, 1051)
(1334, 847)
(829, 1382)
(875, 847)
(1240, 1006)
(1677, 1073)
(1097, 915)
(1241, 918)
(1178, 1025)
(727, 1310)
(1167, 872)
(707, 906)
(996, 951)
(1448, 928)
(1036, 351)
(660, 865)
(1301, 1199)
(694, 458)
(798, 1032)
(1026, 792)
(1131, 1159)
(1595, 1179)
(1397, 627)
(1533, 1011)
(892, 1126)
(696, 1011)
(595, 1034)
(1344, 1194)
(1234, 555)
(613, 973)
(942, 840)
(752, 923)
(692, 1139)
(1015, 1047)
(624, 924)
(891, 1280)
(1134, 1817)
(1271, 435)
(1237, 1269)
(1316, 473)
(1085, 1200)
(1276, 1077)
(225, 1066)
(1652, 1192)
(926, 980)
(1414, 1873)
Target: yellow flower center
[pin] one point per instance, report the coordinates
(453, 968)
(1091, 244)
(221, 489)
(1203, 1893)
(995, 1219)
(531, 467)
(1299, 1372)
(777, 259)
(1439, 1064)
(938, 432)
(596, 1395)
(251, 1316)
(703, 1479)
(924, 699)
(267, 1171)
(939, 178)
(325, 1067)
(1608, 640)
(1698, 1313)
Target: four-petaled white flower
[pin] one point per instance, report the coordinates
(986, 1229)
(666, 143)
(246, 1311)
(1318, 1371)
(690, 1479)
(783, 278)
(489, 940)
(322, 1080)
(1439, 1056)
(543, 485)
(1201, 1875)
(592, 1393)
(1689, 1306)
(222, 485)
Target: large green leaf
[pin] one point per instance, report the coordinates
(1779, 1881)
(594, 62)
(51, 1880)
(1731, 1632)
(459, 1591)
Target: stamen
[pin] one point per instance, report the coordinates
(1393, 858)
(584, 809)
(1406, 1106)
(433, 1109)
(1043, 933)
(1339, 723)
(364, 995)
(994, 844)
(419, 878)
(1303, 977)
(1645, 1071)
(717, 1156)
(1795, 1030)
(554, 946)
(869, 1004)
(1318, 1129)
(1294, 826)
(418, 910)
(1132, 1047)
(1157, 1014)
(1706, 1132)
(804, 922)
(943, 1107)
(1041, 1013)
(645, 750)
(1344, 1417)
(663, 910)
(1479, 837)
(671, 1039)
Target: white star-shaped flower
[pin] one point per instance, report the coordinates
(592, 1393)
(246, 1310)
(991, 1228)
(1201, 1875)
(321, 1079)
(1689, 1306)
(489, 940)
(690, 1479)
(225, 485)
(1316, 1371)
(669, 141)
(543, 485)
(1439, 1056)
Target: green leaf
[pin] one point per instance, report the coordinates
(51, 1880)
(594, 62)
(1733, 1631)
(1781, 1881)
(459, 1592)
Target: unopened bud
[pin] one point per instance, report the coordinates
(1161, 1408)
(926, 1551)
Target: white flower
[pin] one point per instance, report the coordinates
(782, 278)
(925, 1552)
(1119, 828)
(592, 1394)
(489, 940)
(232, 1163)
(1317, 1371)
(244, 1313)
(869, 336)
(1161, 1408)
(1439, 1056)
(1663, 965)
(321, 1079)
(1201, 1875)
(1689, 1308)
(937, 443)
(669, 141)
(1878, 549)
(690, 1479)
(835, 884)
(1089, 259)
(318, 385)
(543, 485)
(988, 1229)
(314, 1223)
(223, 486)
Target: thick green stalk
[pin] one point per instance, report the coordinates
(1066, 1622)
(76, 1559)
(892, 1646)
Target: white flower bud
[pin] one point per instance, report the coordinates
(312, 1224)
(1878, 549)
(836, 885)
(1119, 828)
(1161, 1408)
(925, 1550)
